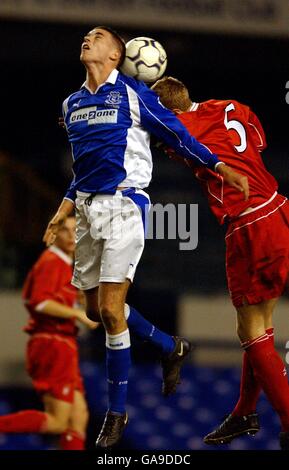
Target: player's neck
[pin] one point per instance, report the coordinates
(64, 250)
(96, 74)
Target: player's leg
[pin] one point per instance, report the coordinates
(57, 414)
(48, 363)
(147, 331)
(174, 349)
(28, 421)
(268, 367)
(120, 255)
(118, 359)
(257, 267)
(136, 323)
(268, 370)
(91, 304)
(57, 370)
(252, 320)
(111, 305)
(99, 255)
(74, 436)
(53, 420)
(250, 388)
(244, 419)
(111, 300)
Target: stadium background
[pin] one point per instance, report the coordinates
(181, 291)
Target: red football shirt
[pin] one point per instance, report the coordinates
(50, 279)
(235, 134)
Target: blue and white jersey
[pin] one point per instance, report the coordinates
(109, 132)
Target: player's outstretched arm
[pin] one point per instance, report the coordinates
(65, 208)
(56, 309)
(165, 126)
(234, 179)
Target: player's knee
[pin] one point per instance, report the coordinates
(242, 327)
(80, 416)
(83, 415)
(248, 332)
(82, 408)
(240, 332)
(61, 427)
(58, 425)
(109, 317)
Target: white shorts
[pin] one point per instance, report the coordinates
(110, 236)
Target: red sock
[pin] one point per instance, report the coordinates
(24, 421)
(250, 388)
(72, 440)
(271, 374)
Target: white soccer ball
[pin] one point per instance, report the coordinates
(145, 59)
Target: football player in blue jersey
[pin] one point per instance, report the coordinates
(109, 121)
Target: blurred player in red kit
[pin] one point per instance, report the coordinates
(257, 246)
(52, 352)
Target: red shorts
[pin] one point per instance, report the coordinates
(257, 258)
(52, 363)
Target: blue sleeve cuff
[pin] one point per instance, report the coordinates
(68, 199)
(70, 194)
(213, 162)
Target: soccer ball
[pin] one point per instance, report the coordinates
(145, 59)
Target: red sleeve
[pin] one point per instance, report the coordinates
(257, 132)
(45, 282)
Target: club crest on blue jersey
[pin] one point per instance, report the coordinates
(114, 98)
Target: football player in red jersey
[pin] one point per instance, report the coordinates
(257, 246)
(52, 352)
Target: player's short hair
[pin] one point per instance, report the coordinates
(173, 93)
(120, 43)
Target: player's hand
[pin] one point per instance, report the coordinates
(81, 316)
(53, 228)
(55, 223)
(234, 179)
(61, 122)
(92, 325)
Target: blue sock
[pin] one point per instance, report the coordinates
(146, 330)
(117, 364)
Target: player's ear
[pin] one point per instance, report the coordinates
(115, 55)
(177, 111)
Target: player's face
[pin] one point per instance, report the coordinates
(65, 239)
(98, 47)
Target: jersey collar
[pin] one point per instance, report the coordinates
(110, 79)
(57, 251)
